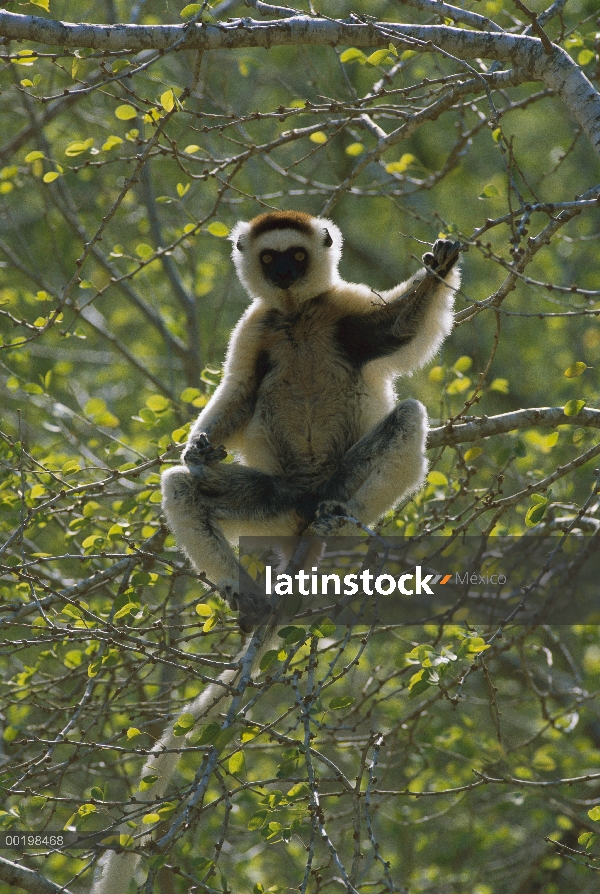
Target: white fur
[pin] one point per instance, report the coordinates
(322, 273)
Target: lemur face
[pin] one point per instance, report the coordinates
(283, 268)
(287, 257)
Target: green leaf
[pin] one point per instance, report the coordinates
(268, 659)
(535, 514)
(183, 724)
(575, 370)
(147, 782)
(150, 818)
(190, 10)
(208, 734)
(594, 813)
(236, 763)
(300, 790)
(378, 57)
(472, 453)
(354, 55)
(586, 839)
(341, 701)
(489, 191)
(573, 407)
(257, 821)
(292, 634)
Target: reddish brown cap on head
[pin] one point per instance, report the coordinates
(281, 220)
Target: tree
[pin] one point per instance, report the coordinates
(419, 759)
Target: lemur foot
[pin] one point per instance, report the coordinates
(200, 452)
(330, 518)
(443, 256)
(249, 600)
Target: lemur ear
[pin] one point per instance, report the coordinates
(327, 241)
(239, 244)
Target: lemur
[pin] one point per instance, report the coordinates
(307, 402)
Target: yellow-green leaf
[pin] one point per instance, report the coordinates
(354, 149)
(585, 57)
(79, 146)
(182, 189)
(573, 407)
(157, 402)
(33, 156)
(150, 818)
(500, 385)
(353, 55)
(463, 363)
(189, 150)
(473, 453)
(167, 100)
(378, 57)
(489, 191)
(205, 611)
(190, 10)
(398, 167)
(111, 142)
(576, 369)
(236, 763)
(132, 732)
(125, 112)
(319, 137)
(436, 375)
(216, 228)
(50, 177)
(45, 4)
(438, 479)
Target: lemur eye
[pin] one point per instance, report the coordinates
(299, 255)
(267, 259)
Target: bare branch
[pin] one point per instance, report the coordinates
(28, 879)
(484, 426)
(557, 70)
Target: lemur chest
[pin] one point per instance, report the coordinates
(308, 400)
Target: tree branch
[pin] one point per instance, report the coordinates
(28, 879)
(557, 70)
(484, 426)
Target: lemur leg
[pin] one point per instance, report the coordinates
(388, 463)
(203, 505)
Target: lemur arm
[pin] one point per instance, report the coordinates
(416, 318)
(231, 406)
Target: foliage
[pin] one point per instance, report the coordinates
(121, 174)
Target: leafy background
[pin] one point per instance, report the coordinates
(120, 178)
